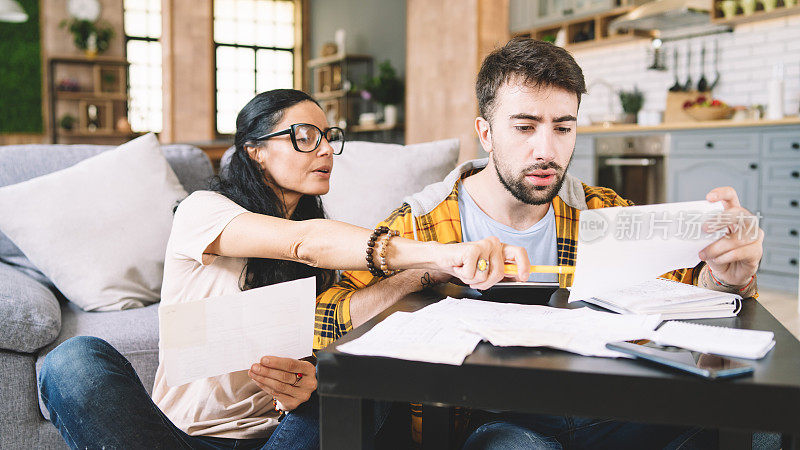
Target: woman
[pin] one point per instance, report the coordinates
(262, 224)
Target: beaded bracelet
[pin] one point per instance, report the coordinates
(281, 412)
(371, 248)
(730, 286)
(384, 245)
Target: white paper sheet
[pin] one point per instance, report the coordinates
(582, 331)
(448, 331)
(219, 335)
(623, 246)
(417, 337)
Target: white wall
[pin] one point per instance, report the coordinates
(375, 27)
(747, 56)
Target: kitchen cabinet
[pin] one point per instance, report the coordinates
(761, 163)
(583, 163)
(714, 144)
(521, 14)
(782, 144)
(582, 168)
(764, 168)
(527, 14)
(581, 23)
(691, 179)
(780, 203)
(780, 9)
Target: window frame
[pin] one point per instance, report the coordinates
(147, 39)
(299, 55)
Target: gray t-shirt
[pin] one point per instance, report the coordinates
(539, 240)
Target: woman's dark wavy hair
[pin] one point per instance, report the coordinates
(244, 182)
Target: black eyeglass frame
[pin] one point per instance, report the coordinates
(291, 132)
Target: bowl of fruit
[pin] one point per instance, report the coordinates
(705, 108)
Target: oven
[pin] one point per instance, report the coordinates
(633, 166)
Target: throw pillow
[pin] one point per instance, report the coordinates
(370, 180)
(30, 317)
(98, 230)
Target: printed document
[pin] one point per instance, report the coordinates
(448, 331)
(219, 335)
(623, 246)
(417, 337)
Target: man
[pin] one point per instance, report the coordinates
(528, 94)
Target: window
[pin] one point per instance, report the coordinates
(142, 33)
(254, 44)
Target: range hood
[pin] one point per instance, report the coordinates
(672, 19)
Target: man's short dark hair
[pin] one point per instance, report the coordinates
(535, 62)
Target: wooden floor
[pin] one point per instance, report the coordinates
(782, 305)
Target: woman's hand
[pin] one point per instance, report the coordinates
(465, 260)
(278, 377)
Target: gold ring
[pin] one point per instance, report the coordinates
(483, 265)
(299, 376)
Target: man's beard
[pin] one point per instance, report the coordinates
(531, 195)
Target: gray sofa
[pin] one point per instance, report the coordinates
(35, 318)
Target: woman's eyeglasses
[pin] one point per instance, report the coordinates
(307, 137)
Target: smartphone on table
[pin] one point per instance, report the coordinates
(702, 364)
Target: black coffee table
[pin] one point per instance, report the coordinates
(511, 378)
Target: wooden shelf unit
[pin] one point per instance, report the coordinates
(98, 101)
(333, 84)
(375, 127)
(325, 60)
(588, 32)
(319, 96)
(781, 10)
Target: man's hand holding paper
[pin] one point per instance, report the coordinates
(734, 258)
(623, 246)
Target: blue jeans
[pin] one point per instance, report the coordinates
(96, 400)
(539, 431)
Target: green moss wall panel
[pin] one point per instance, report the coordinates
(21, 73)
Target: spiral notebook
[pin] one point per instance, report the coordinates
(734, 342)
(671, 299)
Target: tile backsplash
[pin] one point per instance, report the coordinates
(746, 59)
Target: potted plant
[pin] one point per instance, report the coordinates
(632, 102)
(67, 122)
(386, 89)
(91, 37)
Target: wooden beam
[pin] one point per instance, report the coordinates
(302, 44)
(446, 42)
(187, 43)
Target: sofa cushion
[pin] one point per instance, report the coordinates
(134, 333)
(20, 163)
(29, 312)
(99, 229)
(370, 180)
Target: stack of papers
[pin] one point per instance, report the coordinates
(750, 344)
(448, 331)
(671, 299)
